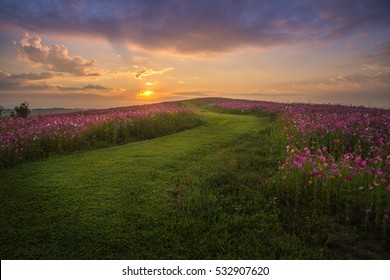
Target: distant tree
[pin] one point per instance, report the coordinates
(22, 111)
(1, 112)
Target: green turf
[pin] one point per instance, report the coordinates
(107, 203)
(198, 194)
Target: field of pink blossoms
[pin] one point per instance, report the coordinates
(335, 157)
(40, 136)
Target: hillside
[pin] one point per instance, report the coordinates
(210, 192)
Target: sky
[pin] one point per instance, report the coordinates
(100, 54)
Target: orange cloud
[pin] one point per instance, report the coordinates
(139, 72)
(54, 58)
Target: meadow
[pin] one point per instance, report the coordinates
(333, 156)
(212, 179)
(28, 139)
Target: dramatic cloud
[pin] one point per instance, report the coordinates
(139, 72)
(54, 58)
(201, 26)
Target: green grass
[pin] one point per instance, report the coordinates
(197, 194)
(115, 131)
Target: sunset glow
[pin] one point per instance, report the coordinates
(210, 130)
(146, 93)
(321, 51)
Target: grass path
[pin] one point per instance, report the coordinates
(115, 203)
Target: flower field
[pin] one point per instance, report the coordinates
(334, 158)
(255, 180)
(40, 136)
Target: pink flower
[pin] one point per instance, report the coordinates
(358, 159)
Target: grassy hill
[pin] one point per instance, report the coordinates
(197, 194)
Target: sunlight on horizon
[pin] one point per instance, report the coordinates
(294, 54)
(146, 93)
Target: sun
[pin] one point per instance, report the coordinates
(146, 93)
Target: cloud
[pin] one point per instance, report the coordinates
(201, 26)
(342, 83)
(378, 59)
(139, 72)
(361, 80)
(349, 79)
(68, 100)
(35, 81)
(16, 81)
(54, 58)
(375, 64)
(29, 76)
(382, 77)
(96, 87)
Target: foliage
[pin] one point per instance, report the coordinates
(23, 111)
